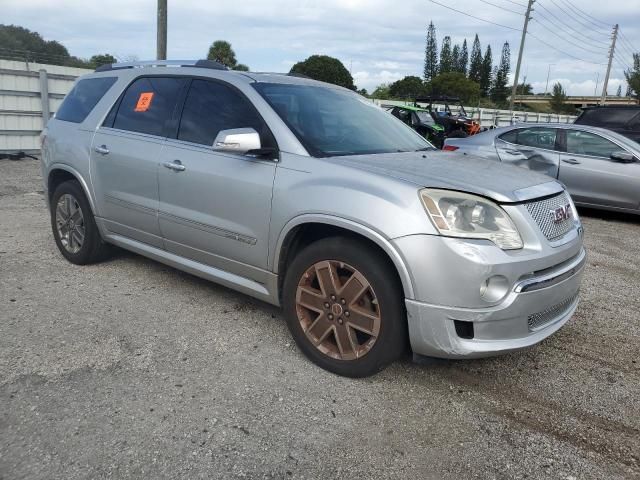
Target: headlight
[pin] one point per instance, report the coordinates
(457, 214)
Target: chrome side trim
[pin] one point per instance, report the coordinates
(125, 204)
(208, 228)
(554, 278)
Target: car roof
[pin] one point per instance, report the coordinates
(602, 107)
(204, 69)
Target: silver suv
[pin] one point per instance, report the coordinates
(308, 196)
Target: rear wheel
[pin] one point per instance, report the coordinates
(344, 307)
(74, 227)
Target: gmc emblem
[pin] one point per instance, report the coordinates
(561, 214)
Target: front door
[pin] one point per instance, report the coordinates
(216, 208)
(592, 177)
(533, 148)
(125, 154)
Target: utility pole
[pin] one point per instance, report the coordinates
(527, 17)
(546, 89)
(595, 90)
(603, 98)
(162, 30)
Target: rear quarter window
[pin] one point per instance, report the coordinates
(84, 96)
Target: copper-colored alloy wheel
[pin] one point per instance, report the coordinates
(338, 310)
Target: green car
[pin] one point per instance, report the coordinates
(421, 121)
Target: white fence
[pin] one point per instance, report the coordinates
(489, 117)
(29, 94)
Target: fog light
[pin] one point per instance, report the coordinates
(494, 288)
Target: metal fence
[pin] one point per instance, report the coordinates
(490, 117)
(29, 94)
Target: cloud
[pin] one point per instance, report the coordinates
(379, 40)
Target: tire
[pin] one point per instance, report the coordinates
(458, 134)
(69, 204)
(378, 308)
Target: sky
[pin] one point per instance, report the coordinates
(379, 41)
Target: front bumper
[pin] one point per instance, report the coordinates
(540, 300)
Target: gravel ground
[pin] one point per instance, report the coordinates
(131, 369)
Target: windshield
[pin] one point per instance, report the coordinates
(331, 122)
(425, 117)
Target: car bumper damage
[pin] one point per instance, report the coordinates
(536, 301)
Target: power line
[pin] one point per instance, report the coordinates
(572, 16)
(473, 16)
(561, 21)
(516, 3)
(563, 52)
(567, 40)
(585, 14)
(631, 46)
(502, 8)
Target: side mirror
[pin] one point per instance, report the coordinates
(623, 157)
(237, 140)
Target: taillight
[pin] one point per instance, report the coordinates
(450, 148)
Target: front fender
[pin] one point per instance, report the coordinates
(354, 227)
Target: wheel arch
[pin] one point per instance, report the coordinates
(305, 229)
(59, 173)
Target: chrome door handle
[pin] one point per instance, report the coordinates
(102, 149)
(571, 161)
(176, 166)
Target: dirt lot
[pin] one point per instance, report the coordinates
(132, 369)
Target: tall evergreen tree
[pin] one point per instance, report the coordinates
(499, 90)
(455, 58)
(485, 72)
(446, 59)
(431, 54)
(463, 58)
(619, 91)
(475, 65)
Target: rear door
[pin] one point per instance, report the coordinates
(217, 209)
(125, 155)
(592, 177)
(533, 148)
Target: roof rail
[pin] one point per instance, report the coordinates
(163, 63)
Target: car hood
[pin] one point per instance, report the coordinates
(451, 171)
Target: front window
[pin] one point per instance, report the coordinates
(425, 117)
(585, 143)
(331, 122)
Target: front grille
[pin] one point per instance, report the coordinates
(541, 319)
(541, 211)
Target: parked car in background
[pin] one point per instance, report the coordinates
(600, 168)
(622, 119)
(307, 196)
(420, 120)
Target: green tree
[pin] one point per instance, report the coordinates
(381, 91)
(456, 84)
(463, 58)
(446, 60)
(499, 90)
(220, 51)
(102, 59)
(475, 63)
(325, 69)
(485, 73)
(241, 67)
(619, 91)
(430, 54)
(558, 97)
(524, 89)
(633, 77)
(19, 43)
(363, 92)
(455, 58)
(407, 88)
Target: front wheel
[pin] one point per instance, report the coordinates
(344, 307)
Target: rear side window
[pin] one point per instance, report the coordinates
(532, 137)
(211, 107)
(82, 98)
(148, 105)
(585, 143)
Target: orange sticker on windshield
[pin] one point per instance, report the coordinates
(144, 102)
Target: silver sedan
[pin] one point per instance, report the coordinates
(600, 168)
